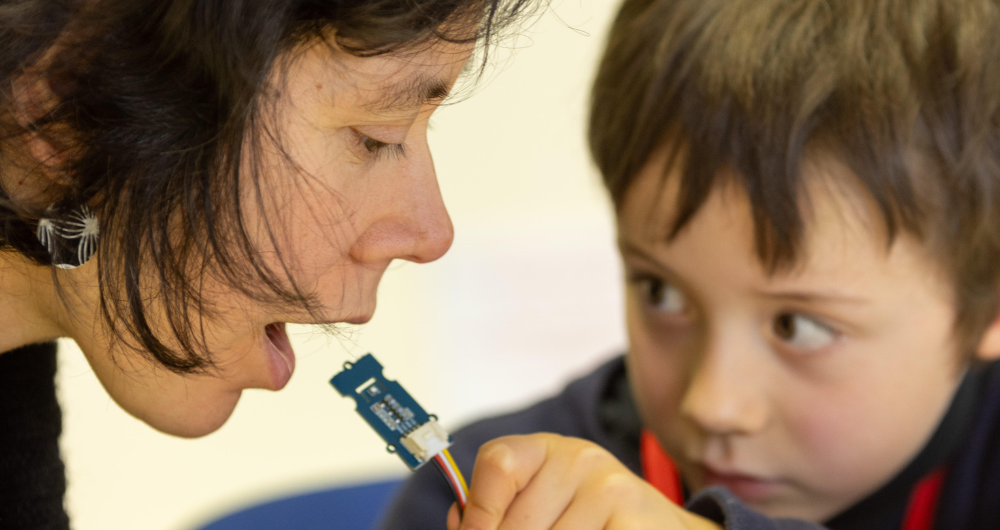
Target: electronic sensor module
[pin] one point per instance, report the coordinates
(409, 432)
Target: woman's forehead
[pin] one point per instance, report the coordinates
(382, 84)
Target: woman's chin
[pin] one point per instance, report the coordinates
(191, 421)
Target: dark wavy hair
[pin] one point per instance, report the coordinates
(161, 101)
(906, 94)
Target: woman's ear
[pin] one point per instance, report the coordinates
(33, 99)
(989, 344)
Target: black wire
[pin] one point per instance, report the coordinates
(451, 483)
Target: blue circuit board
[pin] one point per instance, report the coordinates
(385, 405)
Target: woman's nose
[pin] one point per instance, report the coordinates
(411, 222)
(726, 392)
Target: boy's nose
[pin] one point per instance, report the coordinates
(414, 224)
(725, 394)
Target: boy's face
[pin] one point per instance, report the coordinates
(802, 391)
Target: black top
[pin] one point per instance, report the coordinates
(598, 407)
(32, 476)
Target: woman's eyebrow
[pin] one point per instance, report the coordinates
(408, 95)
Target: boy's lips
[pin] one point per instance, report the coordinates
(748, 488)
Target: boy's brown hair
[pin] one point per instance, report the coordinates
(906, 93)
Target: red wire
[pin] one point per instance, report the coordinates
(452, 480)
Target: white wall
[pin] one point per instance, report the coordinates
(528, 297)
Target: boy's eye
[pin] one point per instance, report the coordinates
(802, 332)
(663, 296)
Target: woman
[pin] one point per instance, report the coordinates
(181, 178)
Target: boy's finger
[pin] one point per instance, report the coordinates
(568, 464)
(453, 518)
(591, 514)
(504, 467)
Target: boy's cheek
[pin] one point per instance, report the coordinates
(659, 350)
(657, 369)
(830, 442)
(658, 382)
(659, 366)
(846, 446)
(657, 387)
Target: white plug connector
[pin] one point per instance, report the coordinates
(426, 441)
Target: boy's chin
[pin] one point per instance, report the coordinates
(783, 507)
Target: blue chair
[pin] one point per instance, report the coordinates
(348, 508)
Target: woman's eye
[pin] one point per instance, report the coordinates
(372, 145)
(376, 148)
(802, 332)
(663, 296)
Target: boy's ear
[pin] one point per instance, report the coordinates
(989, 344)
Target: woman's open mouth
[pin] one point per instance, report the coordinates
(281, 356)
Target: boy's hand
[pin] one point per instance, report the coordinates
(547, 481)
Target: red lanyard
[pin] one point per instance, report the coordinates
(923, 502)
(659, 470)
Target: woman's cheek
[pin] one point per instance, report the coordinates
(180, 405)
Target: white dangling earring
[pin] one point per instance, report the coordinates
(70, 242)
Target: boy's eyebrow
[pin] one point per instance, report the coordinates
(409, 94)
(813, 296)
(628, 247)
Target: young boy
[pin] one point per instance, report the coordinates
(808, 208)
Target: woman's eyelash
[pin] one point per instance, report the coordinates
(377, 149)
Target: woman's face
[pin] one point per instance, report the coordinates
(362, 192)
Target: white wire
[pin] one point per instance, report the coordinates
(456, 483)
